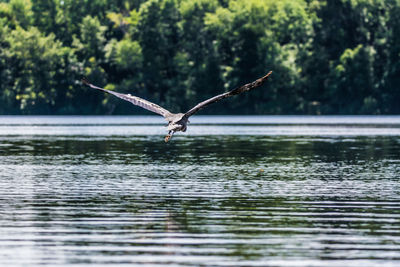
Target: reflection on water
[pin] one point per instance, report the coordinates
(104, 196)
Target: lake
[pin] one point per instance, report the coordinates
(231, 191)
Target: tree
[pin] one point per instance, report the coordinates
(391, 87)
(351, 86)
(35, 61)
(328, 57)
(158, 36)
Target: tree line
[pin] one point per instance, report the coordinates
(327, 57)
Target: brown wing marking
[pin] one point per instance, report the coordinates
(236, 91)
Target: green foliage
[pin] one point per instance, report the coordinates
(126, 54)
(17, 13)
(36, 63)
(328, 57)
(352, 81)
(91, 42)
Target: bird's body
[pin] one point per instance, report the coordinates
(177, 122)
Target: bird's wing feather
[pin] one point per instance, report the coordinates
(134, 100)
(236, 91)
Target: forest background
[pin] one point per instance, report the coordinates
(327, 57)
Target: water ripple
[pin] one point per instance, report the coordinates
(229, 200)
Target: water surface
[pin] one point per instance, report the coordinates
(233, 190)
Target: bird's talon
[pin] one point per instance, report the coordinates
(167, 137)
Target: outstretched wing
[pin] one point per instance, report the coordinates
(133, 99)
(236, 91)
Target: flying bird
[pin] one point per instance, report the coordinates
(178, 121)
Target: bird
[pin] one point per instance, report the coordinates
(177, 122)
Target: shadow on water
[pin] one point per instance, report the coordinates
(200, 200)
